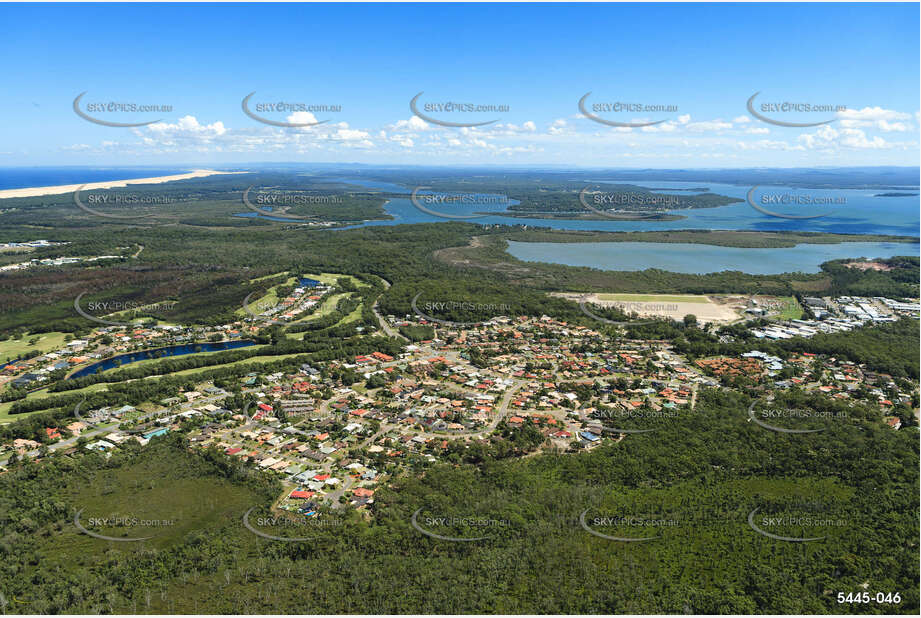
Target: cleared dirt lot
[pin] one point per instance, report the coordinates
(673, 306)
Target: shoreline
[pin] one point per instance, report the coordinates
(741, 239)
(109, 184)
(585, 216)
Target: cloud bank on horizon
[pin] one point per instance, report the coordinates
(411, 139)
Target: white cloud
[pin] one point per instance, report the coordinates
(301, 118)
(558, 127)
(502, 129)
(665, 127)
(344, 133)
(766, 144)
(709, 125)
(829, 138)
(188, 126)
(680, 139)
(887, 120)
(413, 123)
(885, 125)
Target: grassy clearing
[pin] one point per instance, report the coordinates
(326, 307)
(44, 342)
(355, 315)
(245, 361)
(791, 310)
(259, 305)
(162, 495)
(268, 276)
(271, 298)
(6, 417)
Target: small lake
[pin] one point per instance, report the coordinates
(176, 350)
(692, 258)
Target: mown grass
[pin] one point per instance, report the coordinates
(791, 309)
(44, 342)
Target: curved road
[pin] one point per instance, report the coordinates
(385, 326)
(500, 415)
(109, 427)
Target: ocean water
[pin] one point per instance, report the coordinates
(24, 177)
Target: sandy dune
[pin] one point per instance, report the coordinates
(111, 184)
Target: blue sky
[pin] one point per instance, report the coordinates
(704, 61)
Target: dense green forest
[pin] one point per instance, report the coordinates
(704, 471)
(208, 274)
(209, 202)
(890, 348)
